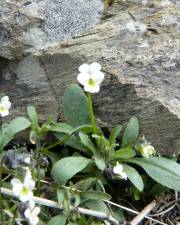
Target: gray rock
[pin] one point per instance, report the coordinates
(29, 25)
(64, 19)
(141, 67)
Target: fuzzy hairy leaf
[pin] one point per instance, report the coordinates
(114, 134)
(124, 153)
(97, 205)
(32, 114)
(58, 220)
(61, 128)
(85, 184)
(100, 163)
(85, 139)
(73, 142)
(11, 129)
(131, 132)
(134, 177)
(76, 109)
(66, 168)
(162, 170)
(96, 195)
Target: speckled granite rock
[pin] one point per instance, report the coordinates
(138, 47)
(26, 26)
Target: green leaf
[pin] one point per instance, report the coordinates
(66, 168)
(11, 129)
(134, 177)
(58, 220)
(131, 132)
(162, 170)
(32, 114)
(85, 184)
(60, 195)
(96, 195)
(124, 153)
(76, 109)
(62, 128)
(100, 163)
(73, 142)
(41, 223)
(87, 142)
(114, 134)
(97, 205)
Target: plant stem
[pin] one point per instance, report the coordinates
(1, 197)
(38, 166)
(53, 204)
(91, 112)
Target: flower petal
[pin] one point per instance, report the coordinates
(92, 89)
(30, 184)
(83, 78)
(27, 213)
(5, 98)
(25, 197)
(31, 204)
(16, 189)
(118, 169)
(15, 181)
(98, 77)
(84, 68)
(36, 211)
(34, 220)
(5, 102)
(4, 113)
(94, 67)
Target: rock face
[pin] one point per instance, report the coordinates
(138, 47)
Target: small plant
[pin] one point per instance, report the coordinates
(74, 175)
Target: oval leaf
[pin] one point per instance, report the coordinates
(162, 170)
(76, 109)
(85, 184)
(134, 177)
(14, 127)
(131, 132)
(87, 142)
(58, 220)
(96, 195)
(100, 163)
(73, 142)
(32, 114)
(97, 205)
(67, 167)
(114, 134)
(125, 153)
(62, 128)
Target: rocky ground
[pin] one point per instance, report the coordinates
(137, 43)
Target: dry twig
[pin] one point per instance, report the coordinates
(143, 213)
(53, 204)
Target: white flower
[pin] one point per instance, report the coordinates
(5, 105)
(23, 190)
(32, 213)
(28, 175)
(90, 77)
(118, 169)
(27, 159)
(147, 150)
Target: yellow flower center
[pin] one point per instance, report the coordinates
(91, 82)
(2, 109)
(25, 191)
